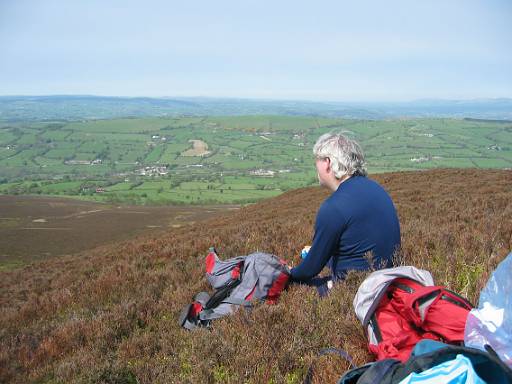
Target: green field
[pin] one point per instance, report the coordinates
(141, 161)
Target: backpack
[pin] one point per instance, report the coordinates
(400, 306)
(430, 358)
(238, 282)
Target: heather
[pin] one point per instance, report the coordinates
(110, 315)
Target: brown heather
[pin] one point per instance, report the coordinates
(110, 315)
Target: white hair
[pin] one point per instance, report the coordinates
(346, 155)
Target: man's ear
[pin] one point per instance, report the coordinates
(328, 164)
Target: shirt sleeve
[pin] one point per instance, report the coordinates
(328, 228)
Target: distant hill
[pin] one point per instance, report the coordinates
(99, 107)
(110, 315)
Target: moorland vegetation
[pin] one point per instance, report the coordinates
(110, 315)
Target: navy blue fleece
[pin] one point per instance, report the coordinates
(357, 218)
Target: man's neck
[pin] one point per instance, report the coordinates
(338, 182)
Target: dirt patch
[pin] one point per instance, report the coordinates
(33, 228)
(199, 148)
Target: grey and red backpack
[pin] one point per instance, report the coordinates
(238, 282)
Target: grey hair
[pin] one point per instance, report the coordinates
(346, 155)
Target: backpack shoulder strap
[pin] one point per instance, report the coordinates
(379, 372)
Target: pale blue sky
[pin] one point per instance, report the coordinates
(310, 50)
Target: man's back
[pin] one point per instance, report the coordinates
(371, 224)
(358, 218)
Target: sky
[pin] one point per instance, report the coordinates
(306, 50)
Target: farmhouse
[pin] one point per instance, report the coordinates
(77, 162)
(420, 159)
(153, 171)
(263, 172)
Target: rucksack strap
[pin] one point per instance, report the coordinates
(374, 373)
(242, 302)
(220, 295)
(326, 351)
(374, 324)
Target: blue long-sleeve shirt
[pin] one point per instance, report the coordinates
(357, 218)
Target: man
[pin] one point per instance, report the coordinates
(356, 225)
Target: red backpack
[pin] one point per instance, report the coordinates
(400, 306)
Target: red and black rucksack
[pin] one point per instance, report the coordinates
(400, 306)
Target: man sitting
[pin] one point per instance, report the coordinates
(356, 225)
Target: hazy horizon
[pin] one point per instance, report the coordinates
(331, 51)
(263, 99)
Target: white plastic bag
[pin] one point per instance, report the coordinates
(491, 322)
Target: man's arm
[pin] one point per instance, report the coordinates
(328, 228)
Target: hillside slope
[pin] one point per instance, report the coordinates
(109, 315)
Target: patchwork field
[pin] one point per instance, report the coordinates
(230, 159)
